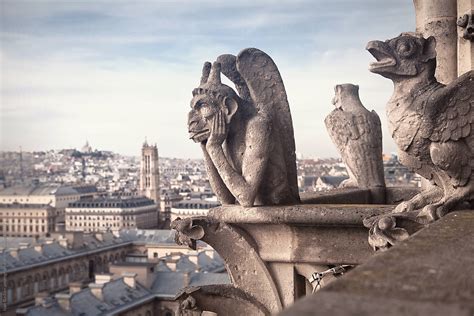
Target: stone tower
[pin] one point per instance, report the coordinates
(149, 173)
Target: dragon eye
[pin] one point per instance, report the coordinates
(405, 48)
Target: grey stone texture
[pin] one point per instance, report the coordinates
(428, 274)
(247, 138)
(432, 124)
(466, 22)
(437, 18)
(357, 134)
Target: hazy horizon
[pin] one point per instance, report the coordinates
(117, 72)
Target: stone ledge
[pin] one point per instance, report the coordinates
(431, 267)
(303, 214)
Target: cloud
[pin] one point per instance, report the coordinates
(114, 72)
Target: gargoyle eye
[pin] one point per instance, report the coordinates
(405, 48)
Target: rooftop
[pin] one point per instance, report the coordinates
(128, 202)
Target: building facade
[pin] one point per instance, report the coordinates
(149, 173)
(27, 220)
(111, 214)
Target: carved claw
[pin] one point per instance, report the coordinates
(388, 230)
(186, 232)
(405, 206)
(188, 307)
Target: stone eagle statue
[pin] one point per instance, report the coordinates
(357, 134)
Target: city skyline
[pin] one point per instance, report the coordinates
(115, 74)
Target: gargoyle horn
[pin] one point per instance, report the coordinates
(206, 69)
(215, 75)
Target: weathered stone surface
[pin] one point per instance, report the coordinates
(434, 277)
(271, 251)
(438, 18)
(432, 125)
(357, 134)
(305, 214)
(466, 22)
(393, 195)
(247, 139)
(220, 299)
(465, 46)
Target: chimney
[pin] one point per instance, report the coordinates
(14, 252)
(97, 290)
(75, 287)
(64, 300)
(99, 236)
(63, 242)
(21, 311)
(186, 278)
(40, 298)
(39, 248)
(130, 279)
(23, 245)
(103, 278)
(171, 264)
(209, 252)
(193, 257)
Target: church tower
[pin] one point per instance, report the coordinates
(149, 173)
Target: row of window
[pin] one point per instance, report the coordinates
(21, 220)
(101, 218)
(102, 224)
(25, 228)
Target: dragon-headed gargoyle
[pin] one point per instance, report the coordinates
(247, 138)
(433, 127)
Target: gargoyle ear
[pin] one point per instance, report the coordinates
(232, 106)
(429, 49)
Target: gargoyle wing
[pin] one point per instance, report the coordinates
(451, 110)
(268, 95)
(229, 69)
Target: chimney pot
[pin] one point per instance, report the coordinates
(75, 287)
(14, 252)
(64, 300)
(39, 248)
(97, 290)
(103, 278)
(130, 279)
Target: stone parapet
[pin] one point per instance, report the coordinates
(271, 252)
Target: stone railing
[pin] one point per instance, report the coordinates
(271, 252)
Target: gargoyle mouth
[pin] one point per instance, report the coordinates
(379, 50)
(199, 136)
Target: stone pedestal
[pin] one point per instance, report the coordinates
(271, 252)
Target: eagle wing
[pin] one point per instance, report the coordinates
(341, 128)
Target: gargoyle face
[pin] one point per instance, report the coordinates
(202, 111)
(404, 56)
(210, 98)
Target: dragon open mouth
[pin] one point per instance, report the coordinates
(384, 59)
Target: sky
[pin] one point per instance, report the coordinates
(115, 72)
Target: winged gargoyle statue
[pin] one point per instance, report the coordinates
(433, 127)
(247, 138)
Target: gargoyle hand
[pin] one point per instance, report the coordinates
(217, 130)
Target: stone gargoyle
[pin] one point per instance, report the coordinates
(357, 133)
(433, 127)
(247, 138)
